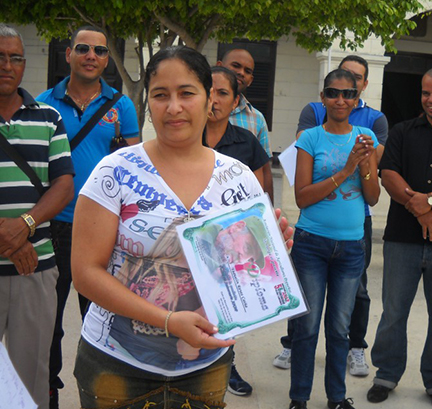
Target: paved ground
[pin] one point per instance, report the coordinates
(255, 351)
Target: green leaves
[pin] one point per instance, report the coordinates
(314, 23)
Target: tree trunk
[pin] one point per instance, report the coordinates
(135, 89)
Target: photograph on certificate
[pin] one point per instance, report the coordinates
(241, 268)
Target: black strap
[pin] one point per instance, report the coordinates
(21, 163)
(94, 120)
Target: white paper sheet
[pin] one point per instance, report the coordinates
(13, 394)
(288, 159)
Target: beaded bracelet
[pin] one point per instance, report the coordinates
(166, 323)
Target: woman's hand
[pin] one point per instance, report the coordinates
(195, 330)
(360, 154)
(286, 230)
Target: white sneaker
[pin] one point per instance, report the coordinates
(357, 362)
(283, 360)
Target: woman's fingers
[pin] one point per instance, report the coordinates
(196, 330)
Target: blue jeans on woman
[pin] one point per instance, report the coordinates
(336, 266)
(404, 265)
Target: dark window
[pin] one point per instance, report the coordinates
(402, 86)
(260, 93)
(421, 29)
(58, 68)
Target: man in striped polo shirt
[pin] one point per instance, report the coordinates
(28, 273)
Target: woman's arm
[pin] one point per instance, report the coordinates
(369, 179)
(308, 193)
(259, 173)
(362, 155)
(93, 238)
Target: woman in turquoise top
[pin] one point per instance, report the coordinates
(336, 173)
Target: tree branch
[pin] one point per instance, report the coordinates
(86, 18)
(177, 28)
(208, 31)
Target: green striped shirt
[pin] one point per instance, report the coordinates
(37, 132)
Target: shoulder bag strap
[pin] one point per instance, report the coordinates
(21, 163)
(94, 120)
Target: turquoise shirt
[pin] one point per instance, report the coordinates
(96, 144)
(340, 216)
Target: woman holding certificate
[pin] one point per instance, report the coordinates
(145, 339)
(336, 173)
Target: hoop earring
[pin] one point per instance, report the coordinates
(210, 114)
(150, 119)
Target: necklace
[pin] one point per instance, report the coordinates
(83, 105)
(333, 142)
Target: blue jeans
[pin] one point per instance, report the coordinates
(360, 314)
(105, 382)
(336, 266)
(404, 265)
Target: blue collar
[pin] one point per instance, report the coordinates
(60, 89)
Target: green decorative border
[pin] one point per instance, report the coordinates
(225, 327)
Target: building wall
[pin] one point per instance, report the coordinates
(36, 53)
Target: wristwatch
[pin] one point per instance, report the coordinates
(429, 199)
(30, 223)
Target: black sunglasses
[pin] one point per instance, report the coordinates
(332, 93)
(100, 50)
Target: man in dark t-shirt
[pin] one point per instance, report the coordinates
(406, 174)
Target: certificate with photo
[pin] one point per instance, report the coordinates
(241, 268)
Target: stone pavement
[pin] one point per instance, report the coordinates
(255, 351)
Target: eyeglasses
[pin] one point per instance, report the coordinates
(100, 50)
(332, 93)
(15, 60)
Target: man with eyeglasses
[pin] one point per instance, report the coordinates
(77, 98)
(28, 272)
(312, 115)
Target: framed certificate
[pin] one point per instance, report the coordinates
(241, 268)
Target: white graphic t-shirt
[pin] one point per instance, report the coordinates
(148, 258)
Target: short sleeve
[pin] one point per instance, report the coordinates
(129, 120)
(380, 128)
(305, 141)
(392, 156)
(103, 185)
(259, 155)
(60, 161)
(307, 119)
(263, 135)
